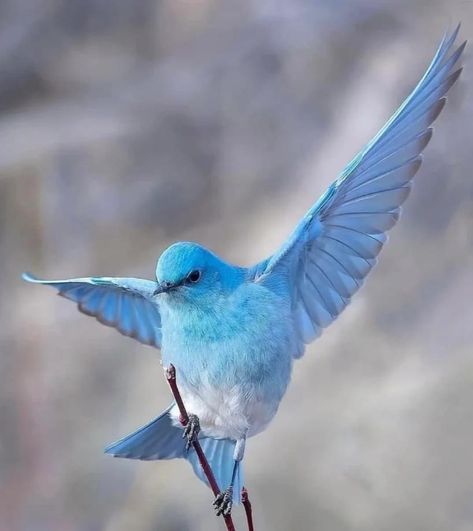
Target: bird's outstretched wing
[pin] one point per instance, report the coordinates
(335, 245)
(124, 303)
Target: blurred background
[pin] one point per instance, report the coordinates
(126, 126)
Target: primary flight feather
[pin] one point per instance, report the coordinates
(232, 332)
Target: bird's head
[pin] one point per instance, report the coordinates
(188, 272)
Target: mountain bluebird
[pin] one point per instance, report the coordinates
(232, 332)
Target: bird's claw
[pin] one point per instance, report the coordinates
(191, 431)
(223, 502)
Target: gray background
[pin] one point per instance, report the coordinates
(125, 126)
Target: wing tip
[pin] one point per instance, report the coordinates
(438, 108)
(453, 77)
(29, 277)
(456, 31)
(461, 47)
(449, 38)
(456, 74)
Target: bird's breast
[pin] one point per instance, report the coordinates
(233, 360)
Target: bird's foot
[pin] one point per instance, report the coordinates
(223, 502)
(191, 431)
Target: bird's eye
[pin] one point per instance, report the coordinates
(194, 276)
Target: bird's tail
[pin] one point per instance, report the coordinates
(219, 454)
(161, 439)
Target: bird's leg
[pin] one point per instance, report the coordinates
(224, 500)
(245, 500)
(191, 430)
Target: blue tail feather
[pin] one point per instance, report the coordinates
(161, 439)
(219, 454)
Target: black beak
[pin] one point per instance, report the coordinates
(164, 287)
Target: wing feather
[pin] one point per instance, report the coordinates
(124, 303)
(336, 244)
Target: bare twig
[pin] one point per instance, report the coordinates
(184, 419)
(245, 500)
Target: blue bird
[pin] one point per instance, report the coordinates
(233, 332)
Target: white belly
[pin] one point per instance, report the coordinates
(226, 413)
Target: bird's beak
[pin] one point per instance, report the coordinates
(164, 287)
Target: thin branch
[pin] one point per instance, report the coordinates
(184, 419)
(245, 500)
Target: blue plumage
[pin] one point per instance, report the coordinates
(159, 439)
(219, 454)
(125, 303)
(232, 332)
(162, 439)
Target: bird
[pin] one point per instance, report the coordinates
(233, 333)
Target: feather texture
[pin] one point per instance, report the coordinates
(159, 439)
(123, 303)
(337, 242)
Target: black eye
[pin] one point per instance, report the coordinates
(194, 276)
